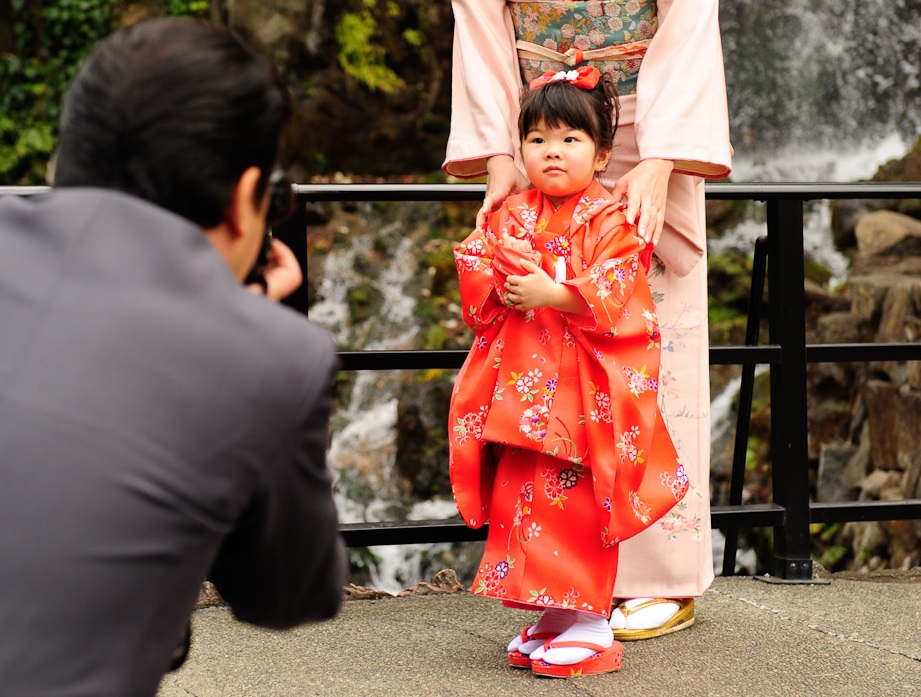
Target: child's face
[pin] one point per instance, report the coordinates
(560, 161)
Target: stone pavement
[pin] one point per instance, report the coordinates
(859, 638)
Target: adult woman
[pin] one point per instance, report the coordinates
(673, 132)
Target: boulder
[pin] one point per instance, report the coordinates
(888, 233)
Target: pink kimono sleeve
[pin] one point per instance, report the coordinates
(681, 109)
(485, 88)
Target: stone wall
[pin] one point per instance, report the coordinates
(865, 418)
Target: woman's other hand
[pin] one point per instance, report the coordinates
(646, 190)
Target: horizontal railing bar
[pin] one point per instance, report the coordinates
(745, 355)
(760, 191)
(756, 191)
(448, 359)
(752, 515)
(854, 511)
(719, 355)
(22, 190)
(401, 360)
(837, 353)
(393, 532)
(812, 191)
(409, 532)
(762, 515)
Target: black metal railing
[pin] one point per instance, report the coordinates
(786, 352)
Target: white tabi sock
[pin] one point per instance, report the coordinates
(588, 628)
(651, 617)
(552, 621)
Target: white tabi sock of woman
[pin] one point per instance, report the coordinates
(588, 629)
(552, 621)
(650, 617)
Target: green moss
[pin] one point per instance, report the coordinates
(832, 556)
(364, 302)
(436, 336)
(816, 272)
(360, 57)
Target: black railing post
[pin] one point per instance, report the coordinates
(746, 395)
(790, 465)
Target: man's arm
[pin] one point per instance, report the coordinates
(285, 563)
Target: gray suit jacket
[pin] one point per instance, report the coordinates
(158, 423)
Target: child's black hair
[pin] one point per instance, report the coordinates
(595, 111)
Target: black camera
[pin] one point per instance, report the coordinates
(281, 206)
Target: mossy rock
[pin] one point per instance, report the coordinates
(365, 301)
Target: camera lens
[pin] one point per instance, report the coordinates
(281, 197)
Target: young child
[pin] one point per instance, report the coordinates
(556, 436)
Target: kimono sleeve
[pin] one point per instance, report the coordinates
(485, 87)
(612, 271)
(483, 305)
(681, 108)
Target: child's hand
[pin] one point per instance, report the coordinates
(537, 290)
(533, 291)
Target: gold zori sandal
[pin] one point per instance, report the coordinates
(682, 619)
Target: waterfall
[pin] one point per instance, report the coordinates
(821, 89)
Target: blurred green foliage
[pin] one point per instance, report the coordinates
(359, 56)
(50, 39)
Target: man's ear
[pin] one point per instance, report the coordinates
(239, 237)
(246, 211)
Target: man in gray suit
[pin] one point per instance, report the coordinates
(160, 423)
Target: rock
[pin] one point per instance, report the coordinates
(888, 232)
(422, 446)
(883, 413)
(869, 538)
(833, 463)
(838, 327)
(912, 482)
(859, 464)
(445, 581)
(908, 428)
(875, 482)
(208, 596)
(867, 293)
(353, 592)
(844, 217)
(896, 316)
(896, 308)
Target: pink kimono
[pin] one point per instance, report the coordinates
(678, 113)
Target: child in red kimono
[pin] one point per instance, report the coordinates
(556, 436)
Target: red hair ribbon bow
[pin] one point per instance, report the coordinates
(585, 77)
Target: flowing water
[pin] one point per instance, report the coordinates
(819, 91)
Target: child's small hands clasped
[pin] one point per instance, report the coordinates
(534, 291)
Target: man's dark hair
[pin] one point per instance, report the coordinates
(172, 111)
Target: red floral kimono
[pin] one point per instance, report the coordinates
(555, 432)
